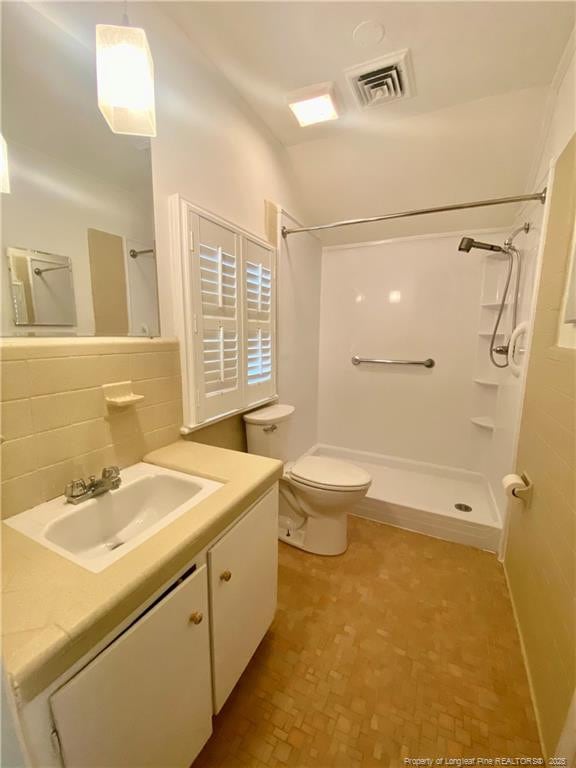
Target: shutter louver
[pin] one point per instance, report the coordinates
(258, 292)
(217, 282)
(259, 357)
(220, 360)
(258, 321)
(218, 323)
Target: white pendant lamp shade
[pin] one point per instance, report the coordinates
(4, 173)
(125, 77)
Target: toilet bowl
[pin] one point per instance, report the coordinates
(316, 493)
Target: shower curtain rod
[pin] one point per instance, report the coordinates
(541, 196)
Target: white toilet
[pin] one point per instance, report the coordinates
(315, 492)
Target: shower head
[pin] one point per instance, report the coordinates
(467, 243)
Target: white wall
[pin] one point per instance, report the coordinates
(299, 279)
(412, 413)
(213, 150)
(210, 147)
(469, 151)
(560, 122)
(50, 208)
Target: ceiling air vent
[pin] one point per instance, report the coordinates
(382, 80)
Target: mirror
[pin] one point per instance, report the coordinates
(41, 287)
(78, 225)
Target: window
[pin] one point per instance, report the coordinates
(225, 315)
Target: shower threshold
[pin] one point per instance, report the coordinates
(444, 502)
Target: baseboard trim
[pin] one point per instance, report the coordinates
(526, 665)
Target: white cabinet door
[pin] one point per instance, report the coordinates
(243, 578)
(144, 702)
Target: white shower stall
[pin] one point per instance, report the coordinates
(436, 441)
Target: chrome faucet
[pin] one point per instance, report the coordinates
(80, 490)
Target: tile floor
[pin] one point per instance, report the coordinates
(405, 646)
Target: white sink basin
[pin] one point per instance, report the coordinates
(96, 533)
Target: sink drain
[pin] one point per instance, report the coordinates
(112, 545)
(463, 507)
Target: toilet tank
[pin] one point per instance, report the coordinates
(267, 431)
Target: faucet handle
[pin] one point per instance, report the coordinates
(112, 476)
(75, 489)
(110, 473)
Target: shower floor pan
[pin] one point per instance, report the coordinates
(444, 502)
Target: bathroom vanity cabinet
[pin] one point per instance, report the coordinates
(243, 569)
(145, 700)
(145, 697)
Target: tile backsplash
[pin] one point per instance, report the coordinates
(55, 422)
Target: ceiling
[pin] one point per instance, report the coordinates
(481, 77)
(460, 52)
(471, 129)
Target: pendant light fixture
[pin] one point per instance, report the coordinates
(4, 172)
(125, 79)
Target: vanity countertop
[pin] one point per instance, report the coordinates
(54, 611)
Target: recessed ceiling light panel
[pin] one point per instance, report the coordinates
(315, 104)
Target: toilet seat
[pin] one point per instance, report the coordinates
(328, 474)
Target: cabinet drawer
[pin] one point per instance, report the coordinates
(243, 573)
(145, 701)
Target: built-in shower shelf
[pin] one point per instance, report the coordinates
(488, 334)
(486, 383)
(485, 422)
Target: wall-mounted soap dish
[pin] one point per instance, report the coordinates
(120, 394)
(483, 421)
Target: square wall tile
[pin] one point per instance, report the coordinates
(15, 419)
(18, 457)
(21, 493)
(14, 380)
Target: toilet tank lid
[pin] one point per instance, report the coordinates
(270, 415)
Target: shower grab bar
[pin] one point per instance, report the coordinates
(428, 363)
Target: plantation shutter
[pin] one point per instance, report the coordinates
(224, 309)
(217, 319)
(259, 321)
